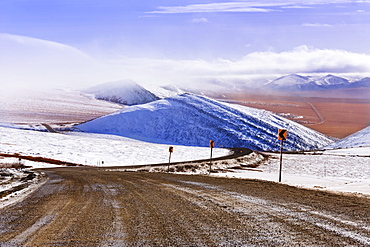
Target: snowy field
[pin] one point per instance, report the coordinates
(95, 149)
(343, 167)
(342, 170)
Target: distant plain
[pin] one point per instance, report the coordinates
(336, 113)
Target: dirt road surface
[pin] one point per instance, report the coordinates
(80, 206)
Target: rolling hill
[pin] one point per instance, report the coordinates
(358, 139)
(193, 120)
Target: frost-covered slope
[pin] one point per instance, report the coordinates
(189, 119)
(358, 139)
(124, 92)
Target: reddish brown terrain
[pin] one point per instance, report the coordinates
(322, 111)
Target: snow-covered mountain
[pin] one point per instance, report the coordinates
(332, 80)
(356, 140)
(193, 120)
(124, 92)
(294, 82)
(291, 80)
(364, 82)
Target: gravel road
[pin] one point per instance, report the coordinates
(80, 206)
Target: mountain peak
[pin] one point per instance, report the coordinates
(126, 92)
(331, 80)
(290, 80)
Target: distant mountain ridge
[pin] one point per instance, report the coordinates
(128, 92)
(295, 82)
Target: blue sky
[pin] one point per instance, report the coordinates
(192, 30)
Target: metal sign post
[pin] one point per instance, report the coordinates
(212, 145)
(170, 150)
(281, 159)
(282, 135)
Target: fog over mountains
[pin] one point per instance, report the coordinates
(128, 92)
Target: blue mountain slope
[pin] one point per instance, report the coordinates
(358, 139)
(193, 120)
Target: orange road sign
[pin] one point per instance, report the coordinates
(282, 134)
(170, 149)
(211, 144)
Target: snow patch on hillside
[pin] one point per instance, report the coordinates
(193, 120)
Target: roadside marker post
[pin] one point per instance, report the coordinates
(212, 145)
(170, 150)
(282, 136)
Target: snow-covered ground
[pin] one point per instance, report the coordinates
(345, 170)
(95, 149)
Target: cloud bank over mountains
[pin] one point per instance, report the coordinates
(29, 61)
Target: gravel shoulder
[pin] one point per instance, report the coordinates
(82, 206)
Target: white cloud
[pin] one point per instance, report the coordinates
(316, 25)
(297, 7)
(247, 6)
(258, 64)
(27, 61)
(30, 62)
(200, 20)
(211, 7)
(307, 60)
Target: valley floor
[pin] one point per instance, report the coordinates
(335, 117)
